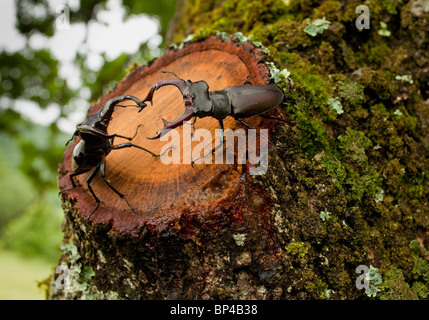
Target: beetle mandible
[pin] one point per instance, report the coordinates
(95, 144)
(241, 101)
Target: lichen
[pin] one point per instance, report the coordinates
(374, 279)
(239, 239)
(335, 105)
(318, 26)
(383, 31)
(325, 215)
(78, 282)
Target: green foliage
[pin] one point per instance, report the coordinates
(37, 231)
(405, 78)
(105, 79)
(39, 148)
(16, 192)
(19, 276)
(32, 75)
(34, 15)
(162, 9)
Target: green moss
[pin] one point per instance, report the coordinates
(391, 6)
(328, 9)
(334, 168)
(353, 145)
(395, 287)
(351, 92)
(421, 263)
(374, 82)
(299, 250)
(421, 289)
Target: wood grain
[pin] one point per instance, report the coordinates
(161, 193)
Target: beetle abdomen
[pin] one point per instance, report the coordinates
(251, 100)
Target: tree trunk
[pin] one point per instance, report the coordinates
(346, 186)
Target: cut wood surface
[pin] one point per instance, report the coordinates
(162, 192)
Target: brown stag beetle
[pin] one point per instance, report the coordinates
(95, 144)
(241, 101)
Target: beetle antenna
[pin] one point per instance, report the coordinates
(71, 139)
(170, 72)
(129, 105)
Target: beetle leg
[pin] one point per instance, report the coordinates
(74, 174)
(103, 175)
(88, 183)
(193, 126)
(274, 118)
(71, 175)
(246, 81)
(250, 127)
(72, 138)
(221, 138)
(283, 120)
(129, 145)
(129, 138)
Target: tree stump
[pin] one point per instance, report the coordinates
(199, 232)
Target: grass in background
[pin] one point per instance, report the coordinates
(30, 228)
(19, 276)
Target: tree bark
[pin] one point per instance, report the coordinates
(346, 187)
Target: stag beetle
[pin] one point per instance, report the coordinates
(241, 101)
(95, 144)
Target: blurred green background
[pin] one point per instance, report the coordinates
(56, 58)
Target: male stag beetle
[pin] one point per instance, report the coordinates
(95, 144)
(241, 101)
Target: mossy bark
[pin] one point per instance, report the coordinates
(349, 188)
